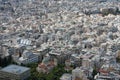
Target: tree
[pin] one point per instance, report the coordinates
(118, 59)
(55, 74)
(1, 61)
(94, 72)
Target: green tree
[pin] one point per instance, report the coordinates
(94, 72)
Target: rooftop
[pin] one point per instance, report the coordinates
(65, 76)
(15, 69)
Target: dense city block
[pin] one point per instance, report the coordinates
(59, 39)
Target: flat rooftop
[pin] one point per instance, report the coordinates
(15, 69)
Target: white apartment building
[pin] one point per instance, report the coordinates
(28, 57)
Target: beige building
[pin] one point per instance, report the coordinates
(87, 63)
(77, 73)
